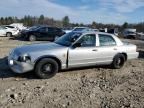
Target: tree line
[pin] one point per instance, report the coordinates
(28, 20)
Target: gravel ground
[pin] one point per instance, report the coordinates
(93, 87)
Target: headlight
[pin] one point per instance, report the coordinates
(24, 58)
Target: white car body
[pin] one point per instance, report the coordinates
(8, 29)
(2, 31)
(20, 26)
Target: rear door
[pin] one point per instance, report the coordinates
(51, 33)
(107, 49)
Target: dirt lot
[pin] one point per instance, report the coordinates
(94, 87)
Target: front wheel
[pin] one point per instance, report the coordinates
(118, 61)
(46, 68)
(8, 34)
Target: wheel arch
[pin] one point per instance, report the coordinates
(52, 57)
(9, 32)
(123, 53)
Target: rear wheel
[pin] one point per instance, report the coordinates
(32, 38)
(118, 61)
(46, 68)
(8, 34)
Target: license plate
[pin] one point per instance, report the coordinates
(11, 62)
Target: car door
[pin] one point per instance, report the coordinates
(41, 33)
(52, 33)
(85, 54)
(107, 49)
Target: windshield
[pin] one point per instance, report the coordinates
(68, 39)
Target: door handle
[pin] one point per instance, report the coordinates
(94, 50)
(115, 48)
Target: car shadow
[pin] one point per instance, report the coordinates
(17, 38)
(87, 67)
(6, 72)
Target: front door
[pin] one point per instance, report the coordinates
(85, 54)
(41, 33)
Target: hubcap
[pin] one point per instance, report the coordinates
(8, 34)
(47, 68)
(119, 62)
(32, 38)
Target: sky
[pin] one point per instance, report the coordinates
(79, 11)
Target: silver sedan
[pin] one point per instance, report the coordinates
(75, 49)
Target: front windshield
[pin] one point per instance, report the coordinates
(68, 39)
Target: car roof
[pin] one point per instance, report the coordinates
(81, 27)
(91, 32)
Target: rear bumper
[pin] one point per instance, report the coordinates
(133, 55)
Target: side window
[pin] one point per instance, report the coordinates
(43, 29)
(58, 30)
(88, 40)
(10, 26)
(106, 40)
(50, 29)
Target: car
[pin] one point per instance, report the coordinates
(79, 29)
(130, 33)
(20, 26)
(83, 29)
(72, 50)
(8, 31)
(42, 33)
(22, 32)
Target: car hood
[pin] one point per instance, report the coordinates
(37, 48)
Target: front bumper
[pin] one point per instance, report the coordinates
(19, 67)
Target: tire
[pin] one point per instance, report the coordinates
(118, 61)
(32, 38)
(46, 68)
(9, 34)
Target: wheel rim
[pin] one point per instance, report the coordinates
(32, 38)
(8, 34)
(119, 62)
(47, 68)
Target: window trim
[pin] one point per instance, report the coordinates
(108, 36)
(85, 35)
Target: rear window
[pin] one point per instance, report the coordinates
(58, 30)
(106, 40)
(50, 29)
(10, 26)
